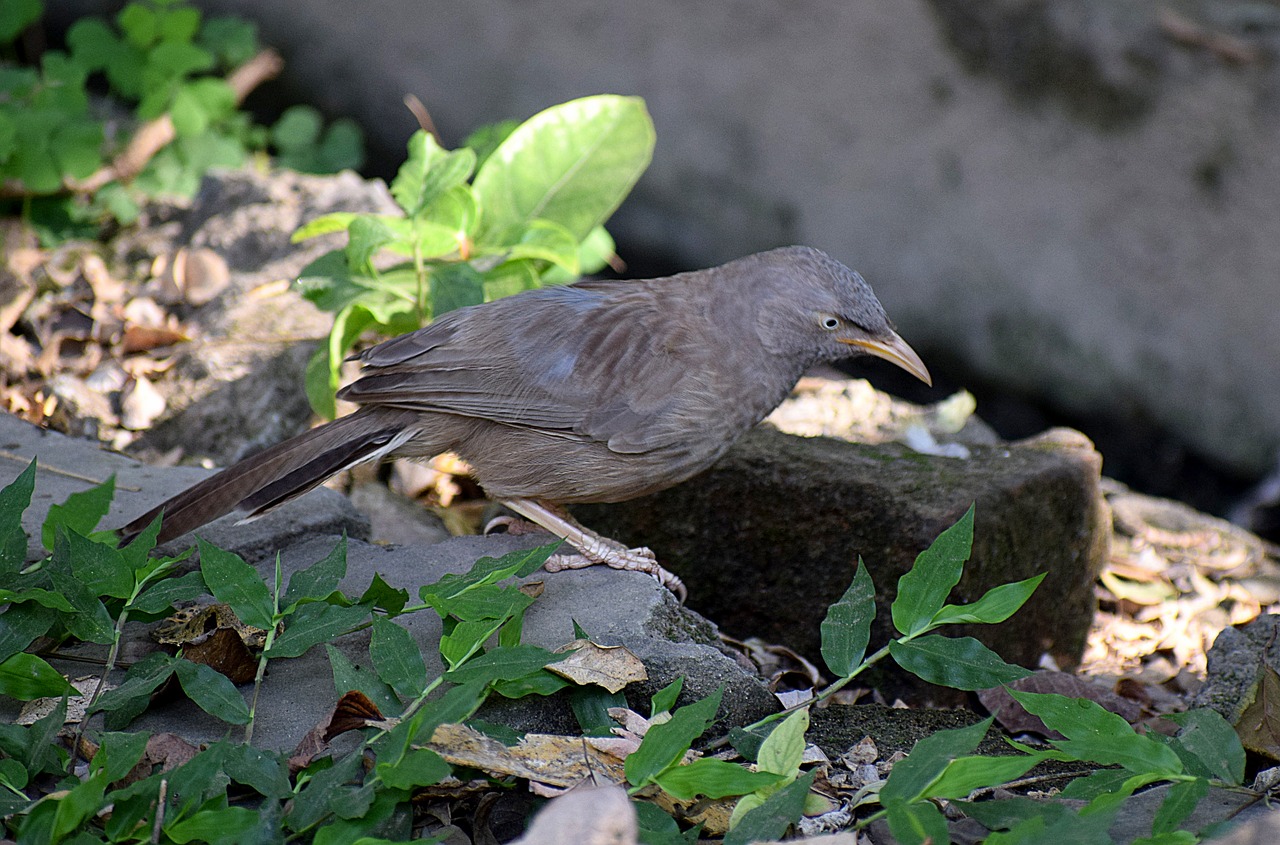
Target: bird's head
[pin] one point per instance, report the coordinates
(815, 305)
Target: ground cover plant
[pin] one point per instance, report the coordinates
(64, 783)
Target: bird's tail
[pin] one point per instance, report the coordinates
(281, 472)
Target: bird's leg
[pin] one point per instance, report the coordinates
(592, 548)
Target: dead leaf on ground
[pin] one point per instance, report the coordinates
(611, 667)
(35, 710)
(1259, 724)
(224, 652)
(584, 816)
(545, 758)
(354, 711)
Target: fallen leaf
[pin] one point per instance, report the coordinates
(584, 816)
(611, 667)
(1259, 724)
(545, 758)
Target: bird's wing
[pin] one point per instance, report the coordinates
(598, 361)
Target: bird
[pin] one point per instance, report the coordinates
(594, 392)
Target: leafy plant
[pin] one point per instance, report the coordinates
(502, 214)
(173, 82)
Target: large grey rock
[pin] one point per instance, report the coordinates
(770, 536)
(1057, 194)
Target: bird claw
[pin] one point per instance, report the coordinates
(626, 560)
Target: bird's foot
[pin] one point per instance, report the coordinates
(591, 548)
(513, 525)
(618, 556)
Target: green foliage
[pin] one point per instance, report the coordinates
(513, 209)
(154, 58)
(87, 588)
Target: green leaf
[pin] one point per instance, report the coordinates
(419, 767)
(546, 240)
(917, 824)
(126, 701)
(956, 662)
(665, 699)
(81, 512)
(397, 659)
(16, 16)
(266, 772)
(590, 707)
(783, 749)
(714, 779)
(455, 286)
(539, 682)
(347, 677)
(27, 677)
(505, 664)
(320, 579)
(1096, 734)
(596, 251)
(1136, 753)
(90, 622)
(665, 744)
(769, 821)
(485, 571)
(15, 498)
(315, 623)
(138, 22)
(179, 24)
(118, 753)
(366, 235)
(965, 774)
(299, 126)
(487, 138)
(165, 593)
(465, 639)
(929, 757)
(99, 567)
(80, 803)
(382, 595)
(925, 587)
(20, 625)
(1099, 783)
(846, 630)
(1179, 804)
(429, 172)
(238, 584)
(572, 164)
(216, 826)
(484, 601)
(325, 224)
(175, 59)
(212, 692)
(510, 277)
(997, 605)
(39, 595)
(231, 39)
(1212, 743)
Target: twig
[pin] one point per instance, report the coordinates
(23, 459)
(420, 114)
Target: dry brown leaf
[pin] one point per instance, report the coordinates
(611, 667)
(584, 816)
(545, 758)
(35, 710)
(353, 711)
(137, 339)
(224, 652)
(1259, 724)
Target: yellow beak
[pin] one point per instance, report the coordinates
(895, 349)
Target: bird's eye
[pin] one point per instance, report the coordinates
(829, 323)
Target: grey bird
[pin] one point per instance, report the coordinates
(599, 391)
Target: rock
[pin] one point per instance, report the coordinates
(395, 519)
(770, 536)
(1236, 662)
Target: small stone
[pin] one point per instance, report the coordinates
(140, 404)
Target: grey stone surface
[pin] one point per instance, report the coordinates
(1235, 665)
(771, 535)
(1057, 194)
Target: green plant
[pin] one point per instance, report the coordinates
(173, 82)
(532, 215)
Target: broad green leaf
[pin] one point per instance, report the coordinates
(99, 567)
(139, 24)
(1210, 740)
(315, 623)
(665, 744)
(465, 639)
(1179, 804)
(769, 821)
(505, 664)
(510, 277)
(846, 630)
(590, 705)
(232, 39)
(382, 595)
(965, 774)
(177, 59)
(997, 605)
(299, 126)
(596, 251)
(17, 15)
(39, 595)
(429, 172)
(487, 138)
(212, 691)
(347, 677)
(397, 659)
(918, 824)
(485, 601)
(911, 777)
(665, 699)
(238, 584)
(118, 753)
(1091, 786)
(20, 625)
(365, 236)
(455, 286)
(713, 779)
(923, 590)
(216, 826)
(81, 512)
(455, 706)
(126, 701)
(1173, 837)
(539, 682)
(1098, 735)
(15, 498)
(167, 592)
(265, 771)
(1136, 753)
(546, 240)
(572, 164)
(320, 579)
(27, 677)
(80, 803)
(313, 799)
(90, 621)
(486, 570)
(325, 224)
(419, 767)
(956, 662)
(783, 749)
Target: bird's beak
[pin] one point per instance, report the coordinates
(894, 349)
